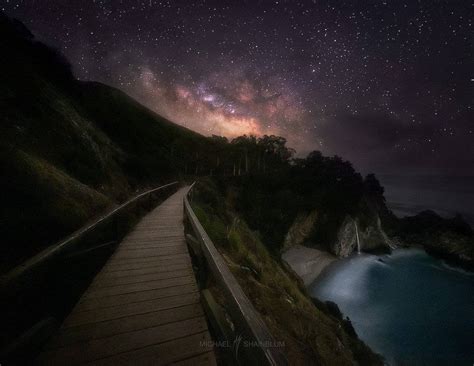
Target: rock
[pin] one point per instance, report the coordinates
(346, 240)
(300, 229)
(451, 239)
(372, 238)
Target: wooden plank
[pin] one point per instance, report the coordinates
(141, 286)
(112, 267)
(103, 302)
(145, 253)
(170, 227)
(108, 281)
(155, 230)
(159, 228)
(108, 328)
(102, 314)
(141, 271)
(199, 360)
(152, 238)
(151, 252)
(156, 236)
(170, 219)
(161, 354)
(143, 305)
(153, 246)
(151, 259)
(149, 245)
(152, 249)
(123, 342)
(151, 241)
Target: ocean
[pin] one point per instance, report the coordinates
(408, 306)
(408, 195)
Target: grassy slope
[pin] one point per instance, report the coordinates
(311, 336)
(40, 203)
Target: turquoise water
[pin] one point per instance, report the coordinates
(408, 306)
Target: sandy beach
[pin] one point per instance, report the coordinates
(308, 263)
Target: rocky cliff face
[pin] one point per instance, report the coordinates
(375, 238)
(300, 229)
(371, 238)
(346, 241)
(449, 238)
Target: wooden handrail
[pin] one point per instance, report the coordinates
(248, 318)
(54, 249)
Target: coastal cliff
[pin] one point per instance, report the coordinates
(309, 261)
(363, 226)
(371, 238)
(451, 239)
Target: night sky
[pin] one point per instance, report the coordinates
(385, 84)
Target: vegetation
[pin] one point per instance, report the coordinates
(311, 335)
(326, 184)
(39, 201)
(87, 137)
(69, 149)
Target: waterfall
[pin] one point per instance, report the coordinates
(357, 237)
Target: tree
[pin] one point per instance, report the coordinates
(373, 186)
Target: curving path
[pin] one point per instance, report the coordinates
(143, 307)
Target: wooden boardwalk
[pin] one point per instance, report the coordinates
(143, 307)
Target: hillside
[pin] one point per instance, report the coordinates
(315, 333)
(70, 149)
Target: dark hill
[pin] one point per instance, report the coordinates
(70, 149)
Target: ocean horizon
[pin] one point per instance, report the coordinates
(407, 195)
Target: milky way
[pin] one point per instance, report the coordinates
(385, 84)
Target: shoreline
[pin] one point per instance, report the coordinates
(308, 263)
(452, 259)
(347, 286)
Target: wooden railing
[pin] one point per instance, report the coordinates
(51, 252)
(42, 290)
(262, 348)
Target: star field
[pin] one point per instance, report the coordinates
(385, 84)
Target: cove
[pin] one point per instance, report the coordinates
(408, 306)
